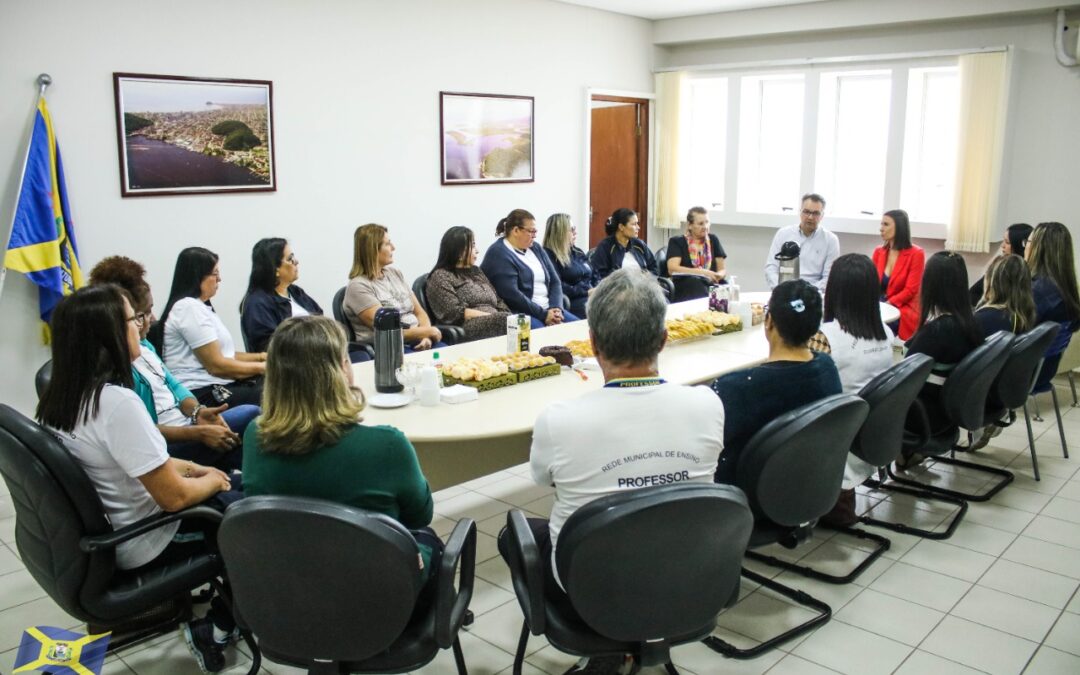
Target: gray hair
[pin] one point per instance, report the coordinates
(626, 316)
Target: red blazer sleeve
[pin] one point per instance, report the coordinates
(907, 280)
(879, 258)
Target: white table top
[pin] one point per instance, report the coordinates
(513, 410)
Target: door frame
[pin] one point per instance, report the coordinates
(586, 159)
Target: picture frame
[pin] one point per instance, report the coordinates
(486, 138)
(193, 135)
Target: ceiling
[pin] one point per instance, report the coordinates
(667, 9)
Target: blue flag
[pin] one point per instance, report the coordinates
(42, 244)
(59, 651)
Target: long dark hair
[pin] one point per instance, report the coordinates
(1051, 257)
(902, 231)
(514, 219)
(945, 291)
(851, 297)
(795, 308)
(266, 258)
(89, 350)
(454, 246)
(619, 217)
(1018, 234)
(192, 266)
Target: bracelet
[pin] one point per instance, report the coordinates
(195, 413)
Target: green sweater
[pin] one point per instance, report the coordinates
(371, 467)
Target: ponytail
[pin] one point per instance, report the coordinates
(514, 219)
(500, 229)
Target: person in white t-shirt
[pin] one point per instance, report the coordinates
(195, 343)
(90, 405)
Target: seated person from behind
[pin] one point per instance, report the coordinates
(622, 248)
(575, 272)
(1013, 242)
(522, 273)
(791, 377)
(459, 294)
(272, 294)
(818, 247)
(1007, 303)
(309, 440)
(209, 436)
(698, 252)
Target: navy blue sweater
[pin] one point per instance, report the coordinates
(578, 278)
(262, 312)
(608, 256)
(513, 280)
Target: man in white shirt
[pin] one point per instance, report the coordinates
(818, 247)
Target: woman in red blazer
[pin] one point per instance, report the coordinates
(900, 268)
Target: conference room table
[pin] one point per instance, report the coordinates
(459, 442)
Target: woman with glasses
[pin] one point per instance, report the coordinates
(899, 266)
(209, 436)
(622, 248)
(272, 294)
(197, 346)
(697, 252)
(522, 273)
(577, 276)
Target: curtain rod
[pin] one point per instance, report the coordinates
(817, 60)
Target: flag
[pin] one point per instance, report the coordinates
(42, 244)
(59, 651)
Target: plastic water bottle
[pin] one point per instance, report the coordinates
(429, 386)
(734, 290)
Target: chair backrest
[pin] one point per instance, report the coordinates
(56, 505)
(338, 307)
(419, 289)
(1052, 359)
(1022, 365)
(348, 578)
(654, 563)
(889, 396)
(967, 388)
(661, 261)
(793, 467)
(42, 378)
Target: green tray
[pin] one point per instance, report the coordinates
(496, 382)
(528, 374)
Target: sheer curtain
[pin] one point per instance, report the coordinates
(983, 101)
(669, 87)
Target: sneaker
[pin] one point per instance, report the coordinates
(199, 635)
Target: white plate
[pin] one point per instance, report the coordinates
(390, 400)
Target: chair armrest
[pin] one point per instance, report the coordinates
(667, 286)
(920, 436)
(451, 335)
(526, 571)
(451, 604)
(109, 540)
(362, 347)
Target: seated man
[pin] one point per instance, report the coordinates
(636, 432)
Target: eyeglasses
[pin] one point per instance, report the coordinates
(291, 258)
(532, 232)
(139, 319)
(811, 214)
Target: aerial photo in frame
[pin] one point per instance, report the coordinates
(184, 135)
(486, 138)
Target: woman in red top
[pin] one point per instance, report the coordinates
(900, 268)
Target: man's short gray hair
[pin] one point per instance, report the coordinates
(626, 317)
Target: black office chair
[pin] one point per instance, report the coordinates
(337, 306)
(42, 378)
(791, 472)
(451, 335)
(965, 396)
(636, 584)
(683, 286)
(67, 544)
(333, 588)
(1028, 357)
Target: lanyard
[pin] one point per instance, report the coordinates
(631, 382)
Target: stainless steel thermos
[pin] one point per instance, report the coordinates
(389, 350)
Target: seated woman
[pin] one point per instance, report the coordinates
(459, 294)
(309, 441)
(209, 436)
(1008, 303)
(1014, 242)
(621, 248)
(576, 274)
(196, 345)
(699, 253)
(373, 285)
(792, 376)
(900, 268)
(272, 294)
(1053, 283)
(947, 333)
(522, 273)
(103, 424)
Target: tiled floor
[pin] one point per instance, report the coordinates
(998, 597)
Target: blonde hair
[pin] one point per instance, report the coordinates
(557, 237)
(366, 243)
(306, 404)
(1008, 287)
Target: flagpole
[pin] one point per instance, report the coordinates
(43, 82)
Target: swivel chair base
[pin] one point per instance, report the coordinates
(881, 544)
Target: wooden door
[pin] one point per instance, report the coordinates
(619, 161)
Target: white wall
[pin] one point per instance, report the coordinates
(356, 105)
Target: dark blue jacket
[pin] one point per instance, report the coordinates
(608, 256)
(262, 312)
(513, 280)
(578, 278)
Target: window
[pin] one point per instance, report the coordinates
(930, 143)
(853, 140)
(704, 154)
(770, 142)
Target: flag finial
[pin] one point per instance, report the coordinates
(43, 80)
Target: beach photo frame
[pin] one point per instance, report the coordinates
(193, 135)
(486, 138)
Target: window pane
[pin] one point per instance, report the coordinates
(704, 153)
(853, 140)
(930, 142)
(770, 143)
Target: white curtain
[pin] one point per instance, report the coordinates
(983, 104)
(668, 123)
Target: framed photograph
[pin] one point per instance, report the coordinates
(191, 135)
(485, 138)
